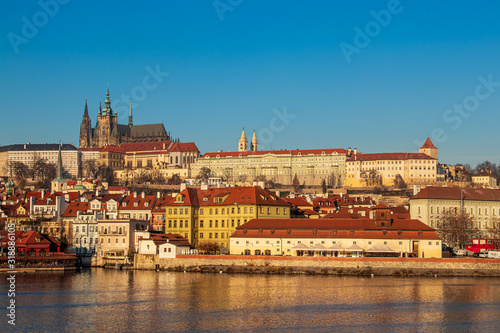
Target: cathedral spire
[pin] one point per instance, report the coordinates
(86, 112)
(130, 119)
(100, 109)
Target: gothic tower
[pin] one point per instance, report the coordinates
(106, 128)
(243, 142)
(86, 129)
(254, 146)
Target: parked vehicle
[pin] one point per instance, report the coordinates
(481, 245)
(460, 253)
(494, 254)
(483, 255)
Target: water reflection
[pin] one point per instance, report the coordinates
(125, 301)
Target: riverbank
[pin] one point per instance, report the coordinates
(471, 267)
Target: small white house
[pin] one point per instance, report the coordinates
(164, 245)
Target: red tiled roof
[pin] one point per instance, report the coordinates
(484, 174)
(184, 146)
(175, 239)
(297, 202)
(74, 207)
(276, 152)
(129, 202)
(334, 228)
(112, 148)
(253, 195)
(455, 193)
(389, 156)
(381, 206)
(146, 146)
(428, 144)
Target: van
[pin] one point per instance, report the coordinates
(494, 254)
(460, 253)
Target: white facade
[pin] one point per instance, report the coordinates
(28, 153)
(169, 250)
(85, 234)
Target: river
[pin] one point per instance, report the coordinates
(100, 300)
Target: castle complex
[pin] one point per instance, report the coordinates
(108, 132)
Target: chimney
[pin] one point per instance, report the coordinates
(135, 194)
(158, 195)
(349, 151)
(43, 194)
(183, 186)
(143, 195)
(355, 151)
(204, 186)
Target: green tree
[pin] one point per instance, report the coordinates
(323, 186)
(296, 183)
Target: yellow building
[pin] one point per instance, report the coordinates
(212, 215)
(485, 178)
(383, 168)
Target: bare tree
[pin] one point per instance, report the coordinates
(203, 175)
(18, 169)
(494, 230)
(90, 169)
(175, 180)
(456, 227)
(209, 247)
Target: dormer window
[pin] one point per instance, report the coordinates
(124, 204)
(146, 204)
(136, 204)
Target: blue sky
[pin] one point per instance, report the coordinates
(234, 64)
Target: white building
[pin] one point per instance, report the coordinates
(28, 153)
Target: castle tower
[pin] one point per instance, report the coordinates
(429, 149)
(86, 129)
(106, 129)
(243, 142)
(254, 145)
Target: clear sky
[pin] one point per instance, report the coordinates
(377, 75)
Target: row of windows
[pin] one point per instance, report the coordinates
(215, 235)
(480, 211)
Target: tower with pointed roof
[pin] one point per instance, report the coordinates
(59, 184)
(254, 146)
(243, 142)
(429, 149)
(86, 129)
(130, 119)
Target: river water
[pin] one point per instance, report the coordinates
(100, 300)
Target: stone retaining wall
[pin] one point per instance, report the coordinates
(462, 266)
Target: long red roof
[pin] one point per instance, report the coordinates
(276, 152)
(334, 228)
(455, 193)
(389, 156)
